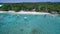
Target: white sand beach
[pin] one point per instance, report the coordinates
(24, 12)
(31, 13)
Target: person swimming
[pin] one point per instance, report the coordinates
(44, 15)
(18, 16)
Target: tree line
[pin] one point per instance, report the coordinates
(29, 6)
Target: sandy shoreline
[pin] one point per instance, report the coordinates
(24, 12)
(31, 13)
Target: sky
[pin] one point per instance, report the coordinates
(19, 1)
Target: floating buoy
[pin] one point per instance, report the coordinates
(25, 17)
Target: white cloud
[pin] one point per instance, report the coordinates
(0, 5)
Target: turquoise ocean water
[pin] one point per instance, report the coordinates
(29, 24)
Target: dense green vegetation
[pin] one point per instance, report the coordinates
(42, 6)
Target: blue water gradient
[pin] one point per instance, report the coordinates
(29, 24)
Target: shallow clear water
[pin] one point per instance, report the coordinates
(29, 24)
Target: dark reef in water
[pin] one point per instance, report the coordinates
(1, 24)
(36, 31)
